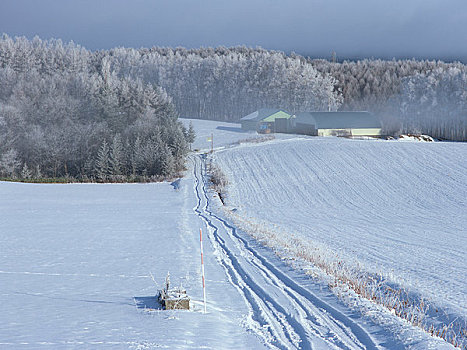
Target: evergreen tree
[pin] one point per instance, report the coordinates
(25, 172)
(9, 163)
(117, 156)
(190, 134)
(38, 172)
(179, 149)
(167, 166)
(102, 167)
(137, 158)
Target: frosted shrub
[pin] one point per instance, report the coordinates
(343, 275)
(218, 181)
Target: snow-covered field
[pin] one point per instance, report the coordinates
(76, 260)
(225, 134)
(397, 207)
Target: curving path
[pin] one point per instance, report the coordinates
(282, 313)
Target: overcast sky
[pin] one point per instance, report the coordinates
(351, 28)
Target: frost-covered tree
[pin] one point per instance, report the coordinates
(38, 172)
(435, 103)
(227, 83)
(103, 166)
(166, 161)
(25, 172)
(178, 147)
(58, 102)
(137, 157)
(117, 156)
(9, 163)
(190, 134)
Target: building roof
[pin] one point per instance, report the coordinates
(277, 115)
(266, 114)
(339, 120)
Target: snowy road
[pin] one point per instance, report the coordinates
(281, 312)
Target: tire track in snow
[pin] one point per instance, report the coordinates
(263, 309)
(286, 314)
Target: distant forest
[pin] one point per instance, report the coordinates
(65, 114)
(113, 115)
(409, 96)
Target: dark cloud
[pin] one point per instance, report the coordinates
(365, 28)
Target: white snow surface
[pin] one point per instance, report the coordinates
(76, 260)
(225, 134)
(397, 208)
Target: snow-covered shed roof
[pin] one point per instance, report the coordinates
(339, 120)
(264, 113)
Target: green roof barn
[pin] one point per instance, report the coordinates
(267, 120)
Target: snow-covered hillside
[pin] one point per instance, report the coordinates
(76, 260)
(398, 208)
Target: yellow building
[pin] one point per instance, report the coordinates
(337, 124)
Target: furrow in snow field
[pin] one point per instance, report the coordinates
(397, 208)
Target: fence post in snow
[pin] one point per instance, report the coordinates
(202, 268)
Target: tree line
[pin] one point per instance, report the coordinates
(65, 114)
(228, 83)
(112, 115)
